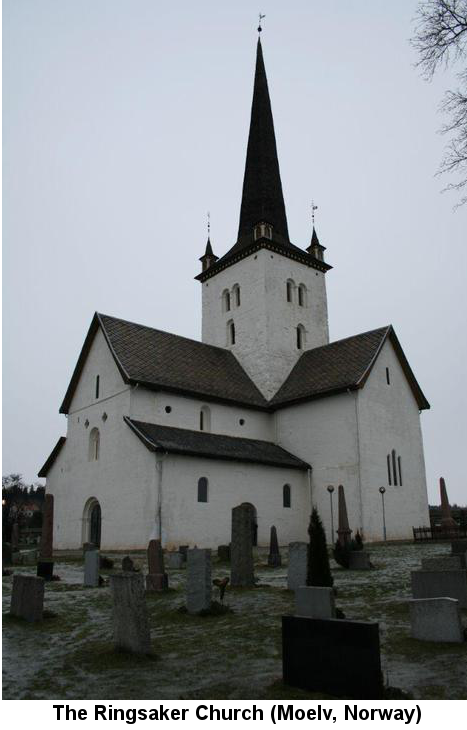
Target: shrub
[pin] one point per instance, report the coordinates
(318, 570)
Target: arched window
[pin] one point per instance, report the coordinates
(236, 295)
(286, 499)
(290, 286)
(226, 300)
(262, 230)
(94, 444)
(230, 333)
(300, 337)
(302, 295)
(394, 465)
(205, 419)
(202, 489)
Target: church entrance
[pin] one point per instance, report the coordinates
(254, 522)
(92, 520)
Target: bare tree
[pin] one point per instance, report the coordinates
(441, 40)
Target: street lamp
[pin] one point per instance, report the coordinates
(330, 489)
(382, 491)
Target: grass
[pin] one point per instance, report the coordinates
(233, 654)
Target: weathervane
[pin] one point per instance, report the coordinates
(313, 208)
(260, 19)
(209, 224)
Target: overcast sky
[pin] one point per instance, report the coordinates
(126, 120)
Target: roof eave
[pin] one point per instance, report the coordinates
(51, 459)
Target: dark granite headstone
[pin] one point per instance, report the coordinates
(241, 548)
(332, 656)
(183, 550)
(274, 557)
(223, 553)
(128, 565)
(157, 579)
(459, 546)
(45, 566)
(27, 597)
(6, 554)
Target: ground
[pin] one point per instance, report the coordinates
(235, 655)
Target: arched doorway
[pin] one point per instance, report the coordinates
(254, 522)
(92, 521)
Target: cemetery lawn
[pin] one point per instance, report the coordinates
(235, 655)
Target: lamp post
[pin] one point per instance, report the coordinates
(330, 489)
(382, 491)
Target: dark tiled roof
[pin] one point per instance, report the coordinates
(55, 452)
(160, 360)
(213, 446)
(340, 366)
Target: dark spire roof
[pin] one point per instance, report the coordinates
(209, 251)
(262, 198)
(315, 242)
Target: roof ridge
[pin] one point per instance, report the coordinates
(386, 328)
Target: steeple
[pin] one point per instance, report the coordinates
(208, 258)
(315, 249)
(262, 198)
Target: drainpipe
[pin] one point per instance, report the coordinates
(157, 530)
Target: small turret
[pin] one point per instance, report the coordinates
(208, 258)
(315, 248)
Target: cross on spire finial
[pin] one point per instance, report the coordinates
(313, 208)
(260, 19)
(209, 224)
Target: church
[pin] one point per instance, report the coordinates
(165, 435)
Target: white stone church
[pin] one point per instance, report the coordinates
(165, 435)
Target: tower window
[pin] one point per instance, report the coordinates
(97, 386)
(290, 286)
(205, 419)
(262, 230)
(94, 445)
(388, 458)
(400, 469)
(302, 295)
(388, 381)
(286, 499)
(230, 333)
(236, 295)
(394, 463)
(394, 472)
(202, 489)
(226, 300)
(300, 337)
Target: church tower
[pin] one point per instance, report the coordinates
(265, 299)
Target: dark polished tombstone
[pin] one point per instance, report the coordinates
(45, 565)
(274, 557)
(333, 656)
(223, 553)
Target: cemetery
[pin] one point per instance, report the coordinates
(147, 632)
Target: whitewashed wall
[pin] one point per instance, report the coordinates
(389, 419)
(324, 434)
(265, 323)
(150, 407)
(185, 521)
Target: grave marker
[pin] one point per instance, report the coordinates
(440, 584)
(274, 557)
(27, 597)
(130, 618)
(297, 567)
(91, 568)
(315, 602)
(241, 548)
(436, 619)
(199, 585)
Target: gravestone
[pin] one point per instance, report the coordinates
(274, 557)
(223, 553)
(315, 602)
(436, 619)
(6, 554)
(440, 584)
(157, 579)
(183, 550)
(297, 567)
(130, 618)
(15, 536)
(459, 546)
(91, 568)
(199, 586)
(29, 557)
(332, 656)
(445, 562)
(174, 560)
(359, 560)
(27, 597)
(343, 530)
(241, 547)
(128, 565)
(447, 520)
(45, 566)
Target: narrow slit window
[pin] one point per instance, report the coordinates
(300, 337)
(388, 380)
(205, 419)
(289, 291)
(97, 386)
(394, 471)
(202, 489)
(286, 497)
(232, 333)
(400, 470)
(389, 469)
(237, 296)
(201, 420)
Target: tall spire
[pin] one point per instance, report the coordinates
(262, 198)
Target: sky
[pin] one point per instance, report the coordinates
(125, 121)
